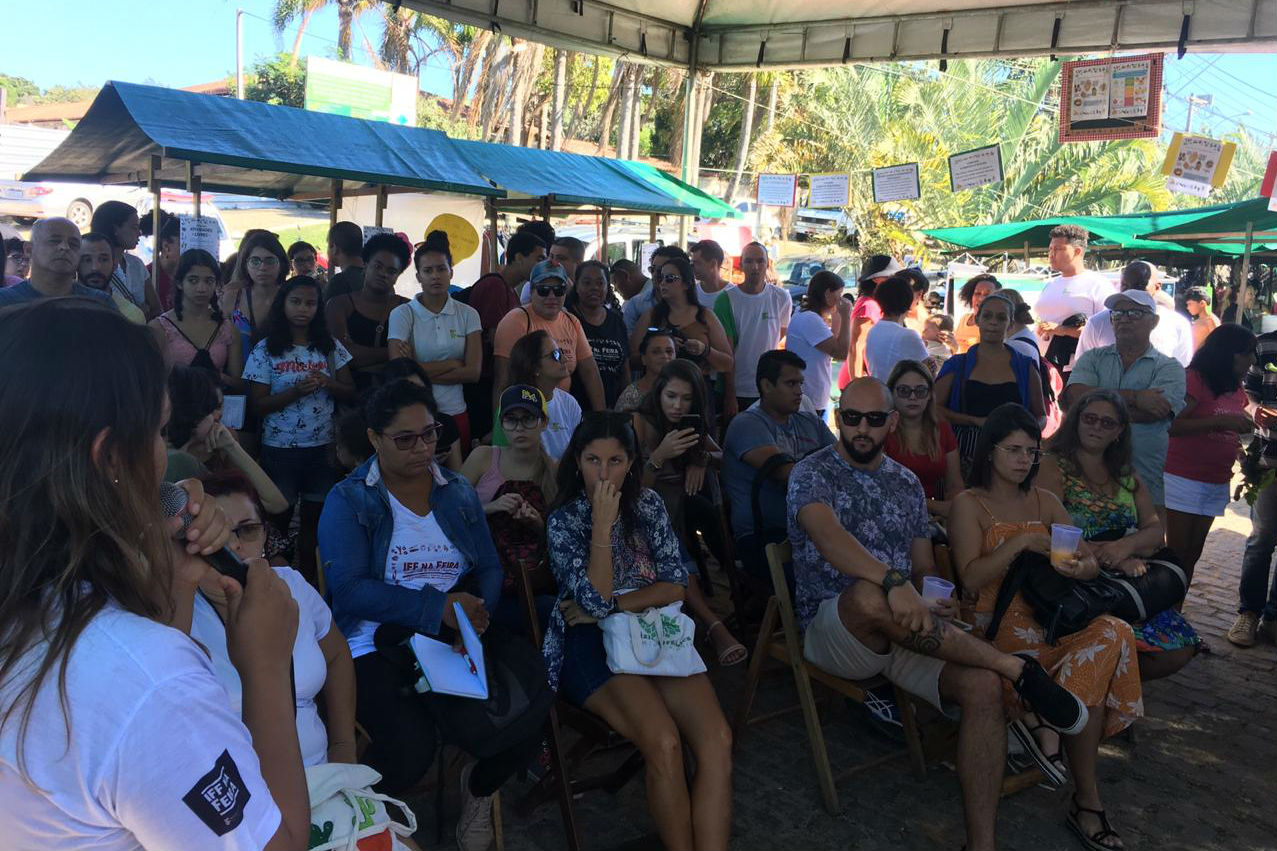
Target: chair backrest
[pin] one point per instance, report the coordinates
(778, 555)
(528, 599)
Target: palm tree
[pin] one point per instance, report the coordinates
(286, 11)
(746, 134)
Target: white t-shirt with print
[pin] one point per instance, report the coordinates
(309, 668)
(420, 554)
(806, 331)
(155, 757)
(563, 414)
(437, 337)
(760, 318)
(1063, 297)
(309, 420)
(887, 344)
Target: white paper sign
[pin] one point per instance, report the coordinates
(649, 248)
(777, 190)
(1197, 159)
(896, 183)
(1188, 187)
(1128, 90)
(970, 169)
(199, 232)
(829, 190)
(370, 231)
(233, 411)
(1090, 93)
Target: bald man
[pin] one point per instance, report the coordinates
(55, 259)
(862, 545)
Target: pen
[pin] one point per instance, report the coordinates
(470, 662)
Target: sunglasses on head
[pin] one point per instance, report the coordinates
(852, 417)
(547, 290)
(404, 442)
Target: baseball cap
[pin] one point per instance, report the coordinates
(1140, 297)
(544, 271)
(522, 396)
(880, 266)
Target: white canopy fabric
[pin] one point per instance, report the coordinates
(740, 35)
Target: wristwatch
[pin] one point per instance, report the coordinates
(893, 579)
(653, 465)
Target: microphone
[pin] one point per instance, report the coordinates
(173, 499)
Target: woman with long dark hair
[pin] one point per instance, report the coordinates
(701, 338)
(194, 332)
(1001, 516)
(294, 375)
(972, 294)
(592, 301)
(1204, 440)
(818, 333)
(612, 549)
(536, 361)
(261, 267)
(119, 223)
(656, 349)
(922, 442)
(1089, 468)
(114, 732)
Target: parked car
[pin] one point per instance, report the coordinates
(76, 201)
(810, 222)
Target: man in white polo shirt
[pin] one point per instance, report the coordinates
(1172, 336)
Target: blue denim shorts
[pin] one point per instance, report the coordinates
(585, 668)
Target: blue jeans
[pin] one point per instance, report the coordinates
(1257, 561)
(299, 472)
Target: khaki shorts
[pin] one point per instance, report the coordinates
(829, 646)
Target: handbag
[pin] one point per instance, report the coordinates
(344, 811)
(1061, 605)
(656, 642)
(1164, 584)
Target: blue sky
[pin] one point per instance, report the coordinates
(72, 42)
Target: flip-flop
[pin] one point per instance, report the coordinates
(734, 654)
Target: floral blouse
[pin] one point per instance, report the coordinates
(651, 555)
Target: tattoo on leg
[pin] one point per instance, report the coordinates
(925, 641)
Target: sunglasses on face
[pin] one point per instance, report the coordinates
(921, 391)
(671, 279)
(1106, 423)
(852, 418)
(545, 290)
(1133, 313)
(404, 442)
(556, 355)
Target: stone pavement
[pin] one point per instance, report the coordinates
(1201, 774)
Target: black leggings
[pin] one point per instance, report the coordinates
(404, 737)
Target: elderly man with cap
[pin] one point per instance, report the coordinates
(1173, 335)
(865, 313)
(1151, 383)
(549, 284)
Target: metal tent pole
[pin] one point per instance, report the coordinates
(154, 185)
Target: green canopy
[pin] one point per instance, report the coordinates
(1226, 226)
(563, 178)
(707, 206)
(251, 148)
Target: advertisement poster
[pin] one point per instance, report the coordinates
(829, 190)
(979, 167)
(896, 183)
(1195, 164)
(1104, 99)
(201, 232)
(777, 190)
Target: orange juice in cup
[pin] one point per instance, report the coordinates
(1064, 543)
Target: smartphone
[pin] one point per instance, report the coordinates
(690, 421)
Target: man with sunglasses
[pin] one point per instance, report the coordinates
(1151, 383)
(862, 544)
(545, 313)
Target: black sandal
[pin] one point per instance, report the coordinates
(1050, 764)
(1094, 841)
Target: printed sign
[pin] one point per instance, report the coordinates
(978, 167)
(370, 231)
(201, 232)
(829, 190)
(648, 250)
(896, 183)
(777, 190)
(1102, 99)
(1195, 164)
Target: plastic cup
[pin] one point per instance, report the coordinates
(934, 588)
(1064, 542)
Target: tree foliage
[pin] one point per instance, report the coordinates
(279, 81)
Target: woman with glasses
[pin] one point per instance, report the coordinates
(922, 442)
(701, 338)
(1001, 516)
(322, 668)
(448, 449)
(17, 260)
(194, 332)
(261, 267)
(973, 293)
(656, 349)
(592, 301)
(362, 320)
(537, 361)
(1089, 469)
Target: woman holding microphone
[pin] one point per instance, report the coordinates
(114, 731)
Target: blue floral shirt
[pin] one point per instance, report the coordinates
(885, 510)
(651, 556)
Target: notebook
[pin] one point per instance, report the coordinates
(447, 671)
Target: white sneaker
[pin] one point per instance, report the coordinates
(474, 826)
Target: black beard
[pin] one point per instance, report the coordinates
(858, 456)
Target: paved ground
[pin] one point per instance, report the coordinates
(1202, 773)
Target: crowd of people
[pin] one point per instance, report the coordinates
(392, 467)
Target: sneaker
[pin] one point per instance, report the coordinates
(1244, 629)
(1053, 703)
(1267, 631)
(1051, 765)
(881, 703)
(474, 825)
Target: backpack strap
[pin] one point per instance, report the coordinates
(1011, 584)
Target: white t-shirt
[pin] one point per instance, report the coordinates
(563, 414)
(309, 420)
(155, 757)
(1063, 297)
(806, 331)
(887, 344)
(760, 320)
(309, 669)
(1173, 335)
(707, 299)
(420, 554)
(437, 337)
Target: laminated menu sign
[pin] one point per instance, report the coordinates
(1104, 99)
(978, 167)
(896, 183)
(1128, 91)
(199, 232)
(1090, 93)
(1195, 164)
(777, 190)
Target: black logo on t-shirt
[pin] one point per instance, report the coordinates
(219, 797)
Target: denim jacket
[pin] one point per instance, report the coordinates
(354, 538)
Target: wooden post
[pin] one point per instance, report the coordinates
(1245, 275)
(495, 246)
(653, 222)
(154, 184)
(1026, 253)
(545, 209)
(607, 212)
(193, 186)
(334, 203)
(381, 205)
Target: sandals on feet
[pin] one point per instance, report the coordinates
(1051, 764)
(1093, 841)
(734, 654)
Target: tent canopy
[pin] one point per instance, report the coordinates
(744, 35)
(707, 206)
(251, 148)
(1225, 224)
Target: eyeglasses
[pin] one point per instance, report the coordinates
(1133, 313)
(876, 419)
(520, 423)
(249, 532)
(259, 262)
(1106, 423)
(671, 279)
(545, 291)
(1031, 452)
(920, 391)
(556, 355)
(404, 442)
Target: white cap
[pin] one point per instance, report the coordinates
(1140, 297)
